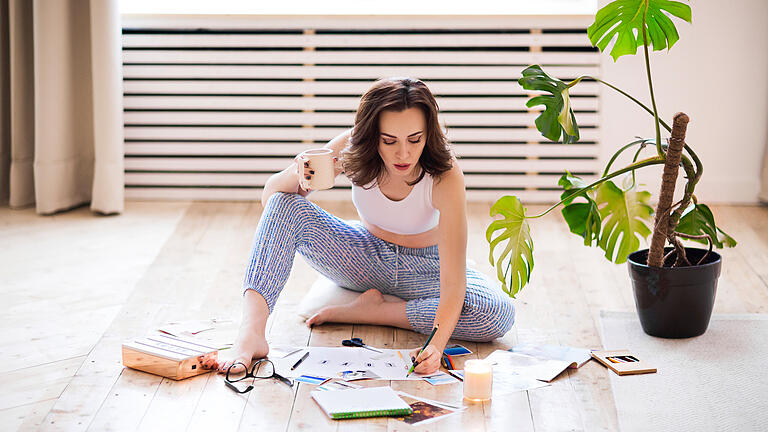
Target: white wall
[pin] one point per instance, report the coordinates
(717, 73)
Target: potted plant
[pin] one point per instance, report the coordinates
(674, 286)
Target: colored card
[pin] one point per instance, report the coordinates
(457, 350)
(311, 379)
(440, 379)
(357, 375)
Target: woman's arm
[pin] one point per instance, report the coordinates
(287, 180)
(449, 197)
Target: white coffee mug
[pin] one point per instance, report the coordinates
(321, 162)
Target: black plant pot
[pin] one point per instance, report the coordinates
(675, 302)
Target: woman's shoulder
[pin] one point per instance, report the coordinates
(448, 186)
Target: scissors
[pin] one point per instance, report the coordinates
(357, 342)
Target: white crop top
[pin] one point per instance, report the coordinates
(413, 214)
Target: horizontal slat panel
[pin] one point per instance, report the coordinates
(250, 22)
(327, 103)
(254, 194)
(338, 72)
(258, 180)
(329, 119)
(276, 164)
(323, 134)
(361, 57)
(288, 149)
(354, 40)
(355, 88)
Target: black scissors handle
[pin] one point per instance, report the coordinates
(354, 342)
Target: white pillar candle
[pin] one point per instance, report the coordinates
(478, 380)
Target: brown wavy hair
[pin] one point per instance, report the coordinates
(361, 160)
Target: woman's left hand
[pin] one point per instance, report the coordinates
(428, 361)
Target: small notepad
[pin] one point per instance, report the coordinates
(364, 402)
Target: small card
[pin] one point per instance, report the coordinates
(623, 362)
(311, 379)
(339, 385)
(357, 375)
(457, 350)
(440, 378)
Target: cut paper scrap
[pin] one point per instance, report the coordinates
(281, 352)
(440, 378)
(338, 385)
(532, 367)
(217, 332)
(357, 375)
(575, 356)
(506, 382)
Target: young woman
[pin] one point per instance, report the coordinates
(410, 242)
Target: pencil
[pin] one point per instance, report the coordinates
(413, 366)
(300, 360)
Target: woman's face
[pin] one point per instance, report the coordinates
(401, 141)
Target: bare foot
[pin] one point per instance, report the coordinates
(356, 311)
(250, 345)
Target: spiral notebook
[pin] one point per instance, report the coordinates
(364, 402)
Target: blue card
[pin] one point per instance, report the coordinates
(311, 379)
(457, 350)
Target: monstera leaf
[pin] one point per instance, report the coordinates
(625, 214)
(583, 218)
(698, 219)
(622, 20)
(557, 118)
(515, 230)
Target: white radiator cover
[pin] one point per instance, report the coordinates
(216, 104)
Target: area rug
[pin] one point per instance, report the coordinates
(714, 382)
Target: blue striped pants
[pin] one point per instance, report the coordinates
(348, 254)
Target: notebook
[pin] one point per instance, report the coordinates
(364, 402)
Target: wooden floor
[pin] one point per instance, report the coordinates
(75, 285)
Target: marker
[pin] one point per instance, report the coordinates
(295, 365)
(413, 366)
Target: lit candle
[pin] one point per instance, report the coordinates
(478, 380)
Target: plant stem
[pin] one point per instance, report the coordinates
(650, 85)
(616, 155)
(696, 160)
(643, 163)
(642, 105)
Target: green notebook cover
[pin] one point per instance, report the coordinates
(359, 403)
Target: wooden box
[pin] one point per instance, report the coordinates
(167, 356)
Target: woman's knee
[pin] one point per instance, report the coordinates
(498, 321)
(285, 203)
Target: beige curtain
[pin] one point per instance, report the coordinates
(61, 130)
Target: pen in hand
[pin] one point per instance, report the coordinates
(413, 359)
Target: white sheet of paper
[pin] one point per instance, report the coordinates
(330, 361)
(533, 367)
(575, 356)
(506, 381)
